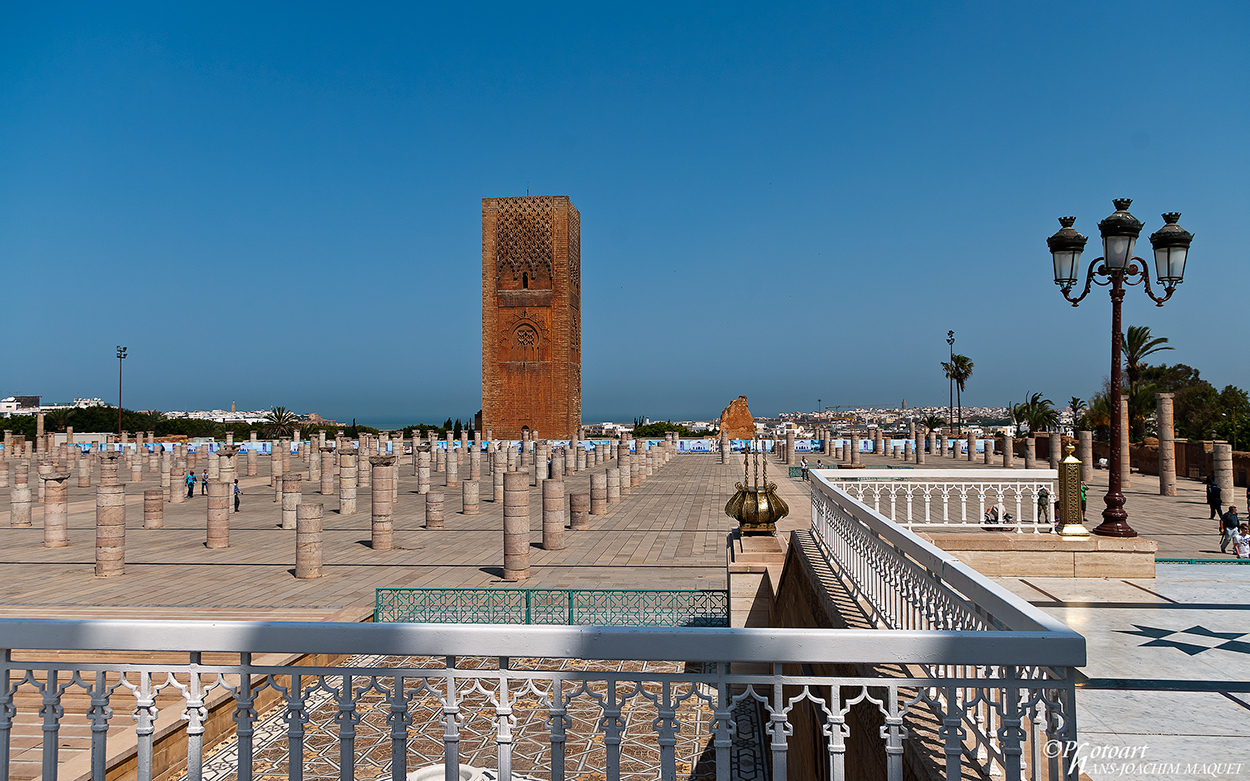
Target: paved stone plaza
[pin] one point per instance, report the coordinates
(1168, 658)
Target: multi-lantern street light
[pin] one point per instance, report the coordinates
(1119, 267)
(121, 356)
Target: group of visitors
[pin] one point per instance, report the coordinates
(204, 487)
(1232, 530)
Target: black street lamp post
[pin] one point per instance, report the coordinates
(121, 356)
(1119, 267)
(950, 406)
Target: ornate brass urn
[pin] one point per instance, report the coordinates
(757, 509)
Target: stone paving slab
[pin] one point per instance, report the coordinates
(668, 534)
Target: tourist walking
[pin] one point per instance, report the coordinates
(1241, 541)
(1229, 523)
(1213, 497)
(191, 484)
(204, 483)
(1084, 488)
(237, 494)
(1043, 505)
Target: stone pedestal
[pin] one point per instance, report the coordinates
(20, 497)
(308, 540)
(516, 526)
(178, 481)
(434, 510)
(754, 572)
(1009, 452)
(382, 527)
(598, 494)
(469, 497)
(55, 505)
(579, 509)
(612, 478)
(452, 473)
(497, 472)
(291, 497)
(1167, 443)
(110, 530)
(423, 472)
(219, 514)
(153, 508)
(553, 514)
(327, 472)
(347, 481)
(1222, 460)
(1030, 452)
(475, 464)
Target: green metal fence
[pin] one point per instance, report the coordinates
(581, 606)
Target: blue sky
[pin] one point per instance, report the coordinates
(281, 205)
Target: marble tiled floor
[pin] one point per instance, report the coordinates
(1168, 669)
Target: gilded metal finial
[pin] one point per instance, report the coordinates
(757, 509)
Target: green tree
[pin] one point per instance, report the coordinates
(958, 369)
(1038, 413)
(279, 422)
(933, 422)
(1137, 344)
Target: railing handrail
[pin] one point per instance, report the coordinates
(919, 475)
(557, 588)
(1010, 610)
(859, 646)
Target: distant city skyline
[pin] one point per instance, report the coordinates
(272, 206)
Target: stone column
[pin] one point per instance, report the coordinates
(623, 459)
(434, 510)
(226, 468)
(218, 533)
(383, 526)
(908, 451)
(55, 506)
(1222, 459)
(423, 472)
(475, 463)
(789, 447)
(1055, 440)
(581, 458)
(347, 481)
(253, 448)
(291, 497)
(1009, 451)
(4, 475)
(167, 463)
(724, 447)
(579, 508)
(452, 475)
(854, 459)
(469, 497)
(364, 469)
(314, 463)
(308, 540)
(612, 480)
(1126, 457)
(1030, 451)
(1167, 443)
(43, 470)
(214, 467)
(918, 451)
(327, 472)
(178, 481)
(284, 450)
(497, 473)
(440, 459)
(599, 494)
(972, 446)
(516, 526)
(153, 508)
(275, 468)
(84, 473)
(110, 530)
(988, 450)
(19, 496)
(553, 514)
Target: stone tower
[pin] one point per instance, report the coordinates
(531, 316)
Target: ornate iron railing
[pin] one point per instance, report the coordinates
(954, 497)
(903, 582)
(581, 606)
(545, 701)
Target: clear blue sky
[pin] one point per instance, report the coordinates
(281, 205)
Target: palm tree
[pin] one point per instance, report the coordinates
(1137, 345)
(279, 422)
(1037, 413)
(1077, 406)
(932, 422)
(960, 371)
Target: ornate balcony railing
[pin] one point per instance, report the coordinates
(572, 606)
(959, 671)
(952, 497)
(904, 583)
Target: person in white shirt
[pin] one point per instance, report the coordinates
(1241, 541)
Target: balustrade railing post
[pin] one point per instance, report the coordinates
(245, 718)
(6, 710)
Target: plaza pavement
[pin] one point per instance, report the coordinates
(1169, 658)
